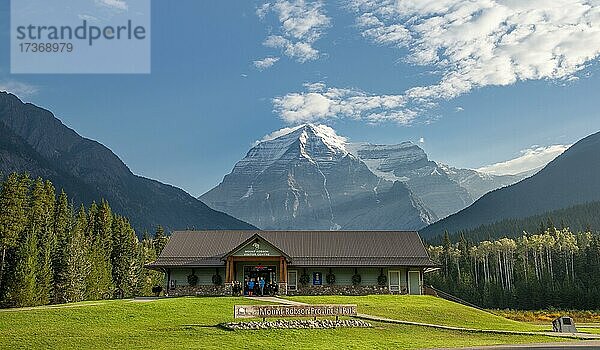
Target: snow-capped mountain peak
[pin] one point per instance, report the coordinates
(306, 133)
(309, 177)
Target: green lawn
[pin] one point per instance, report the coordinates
(186, 323)
(592, 330)
(426, 309)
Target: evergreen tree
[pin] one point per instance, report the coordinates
(76, 262)
(49, 255)
(40, 225)
(149, 278)
(63, 219)
(555, 268)
(125, 255)
(160, 240)
(22, 286)
(99, 281)
(13, 221)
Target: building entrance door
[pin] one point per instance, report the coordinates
(255, 274)
(414, 282)
(394, 281)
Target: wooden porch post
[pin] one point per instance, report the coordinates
(232, 269)
(281, 269)
(227, 271)
(284, 271)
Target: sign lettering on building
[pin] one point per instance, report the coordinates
(257, 249)
(264, 311)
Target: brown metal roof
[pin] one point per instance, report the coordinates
(303, 248)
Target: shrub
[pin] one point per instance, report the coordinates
(304, 279)
(382, 280)
(356, 279)
(217, 280)
(330, 278)
(192, 279)
(156, 290)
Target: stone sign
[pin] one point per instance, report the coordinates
(264, 311)
(564, 324)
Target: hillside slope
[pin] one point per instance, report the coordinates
(578, 218)
(572, 178)
(33, 140)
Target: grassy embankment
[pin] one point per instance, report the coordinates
(585, 321)
(427, 309)
(186, 323)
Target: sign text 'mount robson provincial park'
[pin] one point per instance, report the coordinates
(263, 311)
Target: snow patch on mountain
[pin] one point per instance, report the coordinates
(332, 140)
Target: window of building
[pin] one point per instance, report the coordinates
(394, 281)
(292, 280)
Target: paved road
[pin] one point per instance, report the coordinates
(581, 345)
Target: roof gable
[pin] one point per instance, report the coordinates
(256, 245)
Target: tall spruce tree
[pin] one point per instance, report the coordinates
(63, 220)
(48, 254)
(99, 281)
(13, 221)
(49, 229)
(76, 262)
(40, 224)
(103, 236)
(123, 257)
(149, 278)
(23, 284)
(160, 240)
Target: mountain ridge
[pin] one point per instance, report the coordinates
(307, 179)
(568, 180)
(39, 143)
(427, 182)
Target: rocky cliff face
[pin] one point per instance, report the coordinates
(311, 178)
(408, 163)
(478, 183)
(307, 179)
(33, 140)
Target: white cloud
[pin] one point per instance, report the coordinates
(18, 88)
(262, 10)
(119, 5)
(531, 158)
(87, 17)
(301, 24)
(277, 133)
(473, 44)
(321, 102)
(265, 63)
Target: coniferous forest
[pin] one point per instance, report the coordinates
(549, 268)
(53, 252)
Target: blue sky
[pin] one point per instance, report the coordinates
(482, 101)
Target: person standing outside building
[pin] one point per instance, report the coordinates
(261, 284)
(251, 287)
